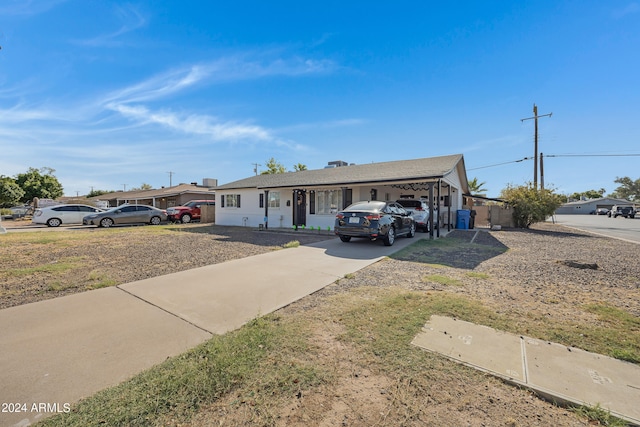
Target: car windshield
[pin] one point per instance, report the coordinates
(410, 203)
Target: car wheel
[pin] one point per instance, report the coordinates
(54, 222)
(185, 219)
(390, 237)
(155, 220)
(106, 222)
(345, 238)
(412, 230)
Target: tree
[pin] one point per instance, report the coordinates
(299, 167)
(10, 192)
(531, 205)
(144, 186)
(475, 187)
(628, 189)
(40, 183)
(273, 167)
(589, 194)
(95, 193)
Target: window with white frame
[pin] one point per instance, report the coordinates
(328, 201)
(274, 200)
(231, 201)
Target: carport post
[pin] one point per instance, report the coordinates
(431, 210)
(266, 209)
(439, 213)
(449, 208)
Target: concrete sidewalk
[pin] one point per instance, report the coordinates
(556, 372)
(59, 351)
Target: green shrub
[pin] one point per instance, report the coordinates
(531, 205)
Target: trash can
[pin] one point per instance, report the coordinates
(472, 219)
(463, 219)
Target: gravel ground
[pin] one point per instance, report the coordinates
(545, 271)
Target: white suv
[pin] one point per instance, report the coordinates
(419, 210)
(53, 216)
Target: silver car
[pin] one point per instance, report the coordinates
(127, 214)
(419, 210)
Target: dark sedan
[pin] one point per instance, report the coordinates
(374, 220)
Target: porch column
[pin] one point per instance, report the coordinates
(266, 209)
(431, 210)
(449, 208)
(439, 213)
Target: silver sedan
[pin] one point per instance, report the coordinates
(127, 214)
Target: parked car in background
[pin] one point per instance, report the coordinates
(419, 210)
(601, 211)
(374, 220)
(127, 214)
(20, 211)
(54, 216)
(188, 212)
(625, 211)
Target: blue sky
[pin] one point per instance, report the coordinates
(115, 94)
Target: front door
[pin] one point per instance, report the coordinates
(299, 207)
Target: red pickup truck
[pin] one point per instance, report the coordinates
(188, 212)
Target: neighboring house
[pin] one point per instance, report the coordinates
(588, 206)
(162, 198)
(313, 197)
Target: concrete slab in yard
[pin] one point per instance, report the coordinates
(59, 351)
(581, 377)
(468, 343)
(567, 375)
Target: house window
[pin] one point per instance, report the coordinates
(328, 202)
(261, 200)
(312, 202)
(274, 199)
(231, 201)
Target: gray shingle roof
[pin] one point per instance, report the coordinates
(418, 170)
(159, 192)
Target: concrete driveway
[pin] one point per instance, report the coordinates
(618, 228)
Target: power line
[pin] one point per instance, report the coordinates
(500, 164)
(557, 155)
(591, 155)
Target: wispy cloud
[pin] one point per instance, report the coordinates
(120, 128)
(131, 19)
(194, 124)
(133, 102)
(27, 7)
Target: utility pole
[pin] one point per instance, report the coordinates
(535, 148)
(170, 178)
(255, 167)
(541, 172)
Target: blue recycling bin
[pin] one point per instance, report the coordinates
(463, 216)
